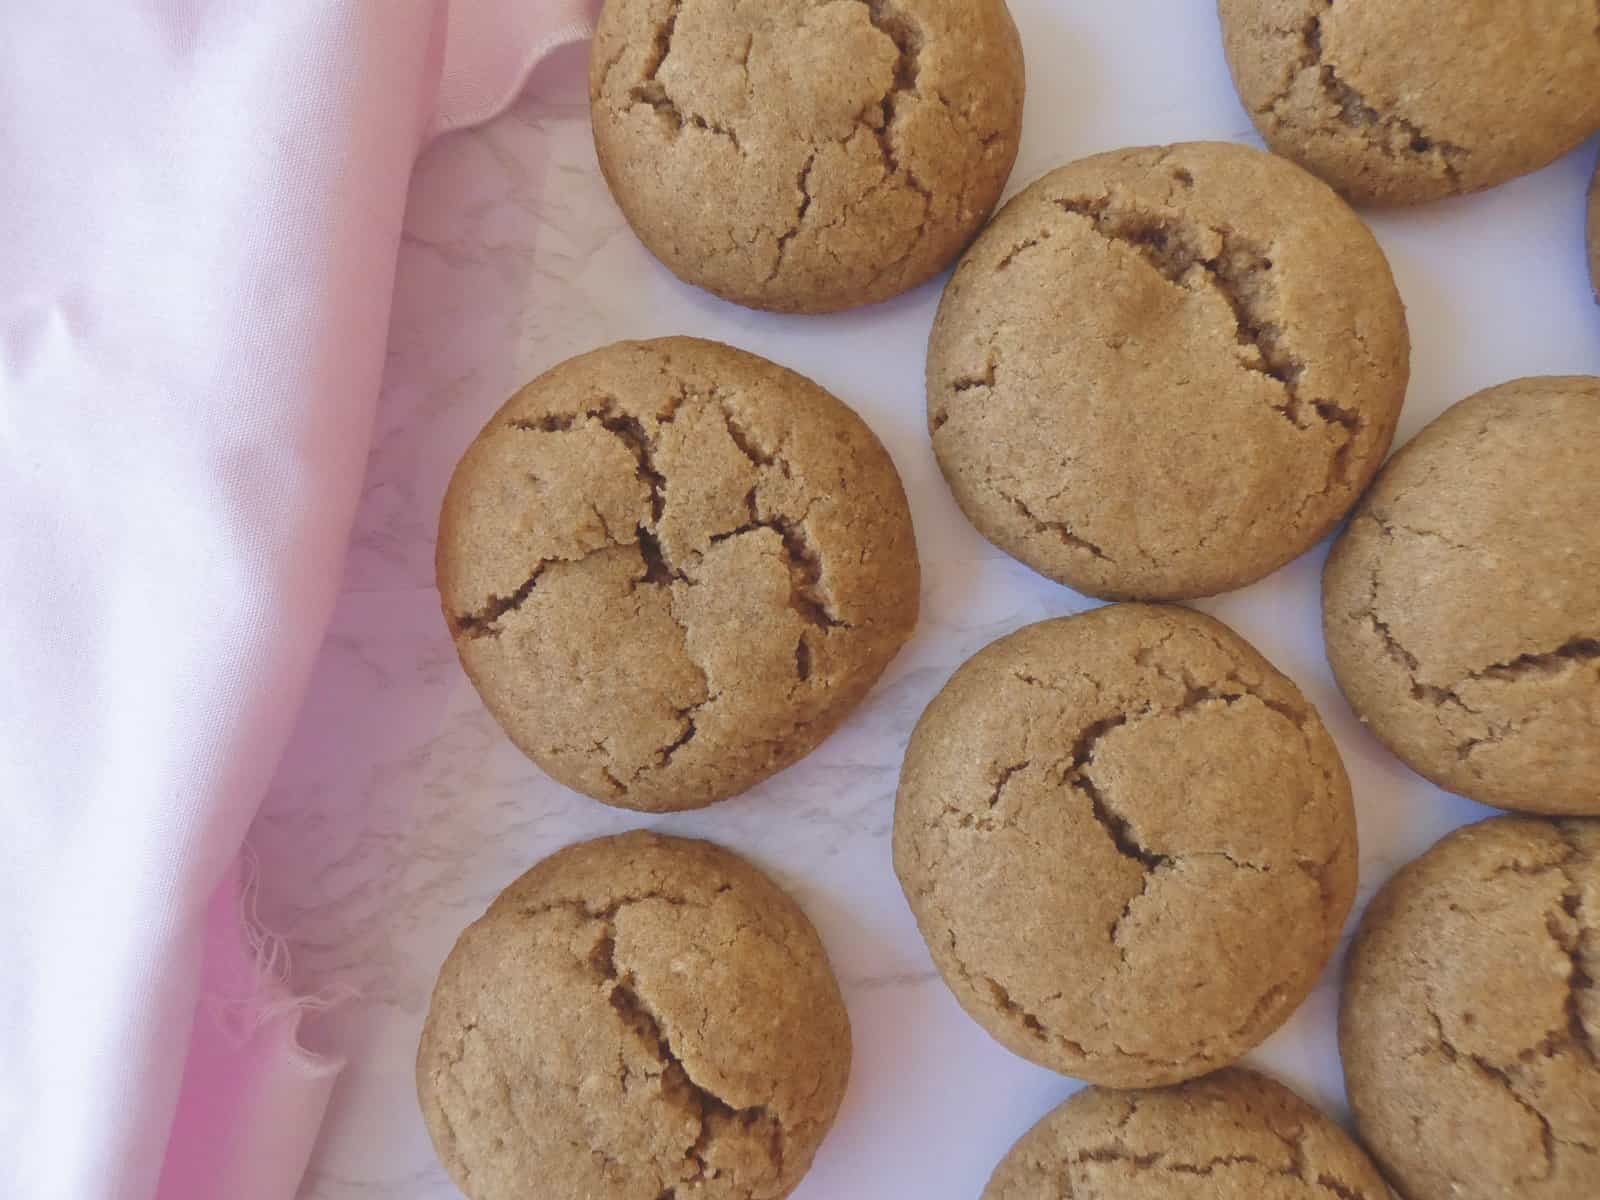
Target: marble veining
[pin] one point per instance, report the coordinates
(400, 809)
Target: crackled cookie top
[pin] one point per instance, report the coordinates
(671, 568)
(636, 1018)
(1401, 101)
(1470, 1021)
(1128, 841)
(1234, 1135)
(1165, 372)
(806, 155)
(1462, 604)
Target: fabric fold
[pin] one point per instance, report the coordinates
(252, 1098)
(493, 47)
(203, 202)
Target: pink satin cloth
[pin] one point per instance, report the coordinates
(201, 203)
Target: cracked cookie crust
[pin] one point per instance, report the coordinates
(1164, 372)
(1105, 825)
(806, 155)
(1461, 606)
(1404, 101)
(1234, 1135)
(636, 1018)
(1469, 1018)
(671, 568)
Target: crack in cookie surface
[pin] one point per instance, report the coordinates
(1158, 1162)
(1475, 730)
(756, 1124)
(1061, 529)
(1240, 272)
(1389, 133)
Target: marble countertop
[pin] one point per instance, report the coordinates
(400, 809)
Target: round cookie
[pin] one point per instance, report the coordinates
(671, 568)
(1461, 606)
(1469, 1021)
(803, 156)
(1165, 372)
(1234, 1135)
(1105, 825)
(1403, 101)
(636, 1017)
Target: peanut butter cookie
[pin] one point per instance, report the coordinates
(806, 156)
(671, 569)
(1163, 373)
(1461, 606)
(1469, 1022)
(1105, 826)
(637, 1017)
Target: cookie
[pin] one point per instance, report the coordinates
(1165, 372)
(1105, 825)
(671, 569)
(1469, 1021)
(1403, 101)
(637, 1017)
(806, 157)
(1461, 606)
(1234, 1135)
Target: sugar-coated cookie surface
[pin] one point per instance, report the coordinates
(671, 568)
(1470, 1020)
(805, 156)
(1234, 1135)
(637, 1017)
(1128, 842)
(1402, 101)
(1461, 606)
(1165, 372)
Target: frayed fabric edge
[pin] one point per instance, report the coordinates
(265, 995)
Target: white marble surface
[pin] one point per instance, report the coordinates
(401, 809)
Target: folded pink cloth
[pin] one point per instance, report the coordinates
(201, 202)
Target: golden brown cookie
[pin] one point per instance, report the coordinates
(1105, 825)
(637, 1017)
(1234, 1135)
(1402, 101)
(671, 569)
(1461, 606)
(1470, 1021)
(805, 156)
(1163, 373)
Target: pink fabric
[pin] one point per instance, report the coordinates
(251, 1099)
(493, 45)
(201, 204)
